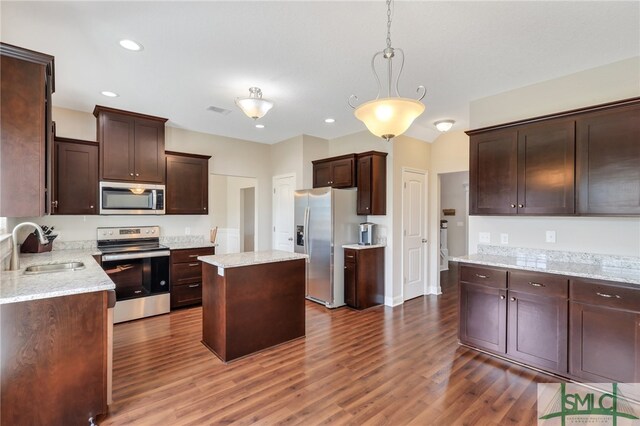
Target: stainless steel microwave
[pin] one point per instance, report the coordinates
(131, 198)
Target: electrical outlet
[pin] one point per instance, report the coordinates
(484, 237)
(187, 231)
(551, 236)
(504, 238)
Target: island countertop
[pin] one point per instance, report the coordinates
(235, 260)
(15, 286)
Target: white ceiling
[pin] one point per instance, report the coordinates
(309, 57)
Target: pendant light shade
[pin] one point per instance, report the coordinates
(254, 106)
(389, 117)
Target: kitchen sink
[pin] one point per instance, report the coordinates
(54, 267)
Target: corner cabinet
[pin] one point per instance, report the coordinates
(132, 146)
(27, 82)
(187, 183)
(584, 161)
(372, 183)
(75, 177)
(336, 172)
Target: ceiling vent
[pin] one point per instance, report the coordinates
(219, 110)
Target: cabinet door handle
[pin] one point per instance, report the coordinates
(482, 276)
(520, 206)
(536, 284)
(137, 174)
(501, 297)
(194, 285)
(130, 174)
(204, 208)
(608, 296)
(194, 255)
(513, 299)
(194, 264)
(513, 206)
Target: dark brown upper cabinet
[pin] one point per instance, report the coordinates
(372, 183)
(584, 161)
(132, 145)
(608, 161)
(75, 177)
(27, 82)
(336, 172)
(187, 183)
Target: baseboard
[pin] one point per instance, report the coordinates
(393, 301)
(434, 291)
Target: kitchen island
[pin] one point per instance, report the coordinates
(252, 301)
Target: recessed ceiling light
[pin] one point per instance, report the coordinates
(329, 120)
(444, 125)
(259, 126)
(131, 45)
(110, 94)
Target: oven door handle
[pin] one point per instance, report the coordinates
(144, 255)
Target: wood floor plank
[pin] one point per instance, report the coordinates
(382, 366)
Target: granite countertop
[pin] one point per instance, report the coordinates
(189, 245)
(361, 247)
(17, 287)
(234, 260)
(535, 263)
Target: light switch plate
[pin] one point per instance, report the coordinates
(550, 236)
(484, 237)
(504, 238)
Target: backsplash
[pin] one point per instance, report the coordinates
(563, 256)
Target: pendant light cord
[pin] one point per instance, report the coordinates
(389, 23)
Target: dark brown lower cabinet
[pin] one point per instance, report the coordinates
(186, 276)
(364, 277)
(483, 317)
(54, 360)
(537, 330)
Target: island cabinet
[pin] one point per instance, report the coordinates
(132, 146)
(525, 170)
(537, 319)
(608, 160)
(27, 82)
(336, 172)
(483, 308)
(364, 277)
(187, 183)
(54, 360)
(75, 177)
(604, 338)
(372, 183)
(186, 276)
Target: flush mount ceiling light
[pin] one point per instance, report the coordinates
(391, 116)
(109, 94)
(329, 120)
(259, 126)
(131, 45)
(254, 106)
(444, 125)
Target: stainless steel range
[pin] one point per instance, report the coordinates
(139, 266)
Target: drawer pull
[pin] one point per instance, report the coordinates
(350, 257)
(194, 264)
(608, 296)
(482, 276)
(194, 285)
(536, 284)
(194, 255)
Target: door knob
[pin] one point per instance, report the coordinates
(290, 239)
(424, 240)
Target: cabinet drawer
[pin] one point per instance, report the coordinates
(350, 255)
(186, 295)
(184, 273)
(596, 293)
(536, 283)
(489, 277)
(190, 255)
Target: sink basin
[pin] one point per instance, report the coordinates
(54, 267)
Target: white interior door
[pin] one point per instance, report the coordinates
(414, 241)
(283, 188)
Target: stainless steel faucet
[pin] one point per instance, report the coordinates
(15, 261)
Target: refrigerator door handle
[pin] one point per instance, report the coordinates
(307, 213)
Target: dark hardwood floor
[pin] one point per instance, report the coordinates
(379, 366)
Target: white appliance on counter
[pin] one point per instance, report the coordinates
(324, 220)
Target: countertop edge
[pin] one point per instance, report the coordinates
(59, 293)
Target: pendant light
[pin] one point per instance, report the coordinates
(391, 116)
(254, 106)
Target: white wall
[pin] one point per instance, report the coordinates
(453, 193)
(287, 158)
(620, 236)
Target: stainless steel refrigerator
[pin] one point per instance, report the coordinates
(325, 219)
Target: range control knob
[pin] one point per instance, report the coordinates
(153, 231)
(146, 232)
